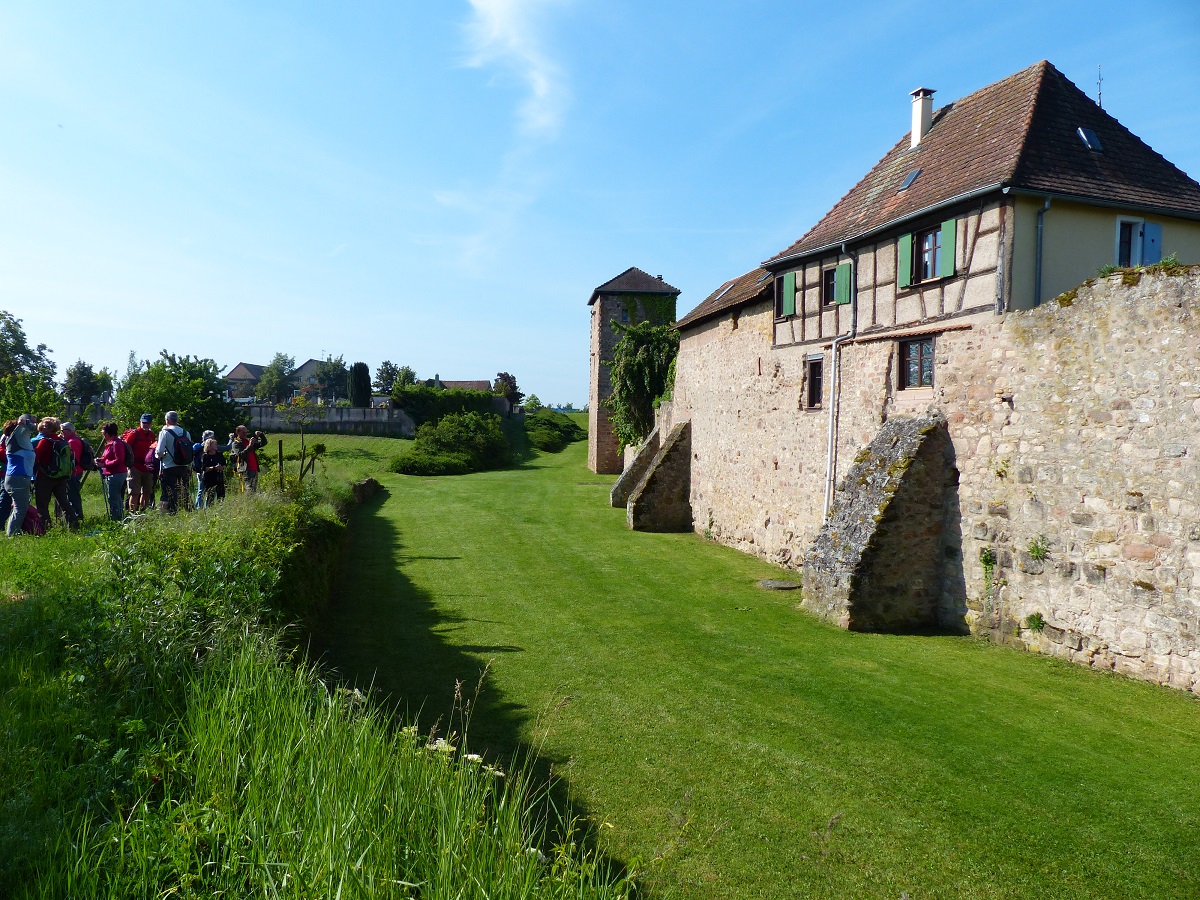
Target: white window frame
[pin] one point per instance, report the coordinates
(1135, 242)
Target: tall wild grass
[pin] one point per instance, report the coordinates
(158, 740)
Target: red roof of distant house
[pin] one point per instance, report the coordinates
(1020, 132)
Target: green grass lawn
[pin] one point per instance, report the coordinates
(727, 744)
(349, 457)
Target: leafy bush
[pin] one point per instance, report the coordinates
(551, 431)
(457, 444)
(547, 440)
(422, 462)
(428, 405)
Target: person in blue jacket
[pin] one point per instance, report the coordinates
(18, 472)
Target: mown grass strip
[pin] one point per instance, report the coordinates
(729, 745)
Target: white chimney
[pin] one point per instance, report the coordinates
(922, 113)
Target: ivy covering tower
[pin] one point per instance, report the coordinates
(630, 298)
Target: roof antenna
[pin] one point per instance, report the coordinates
(1099, 82)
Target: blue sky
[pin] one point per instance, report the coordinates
(442, 184)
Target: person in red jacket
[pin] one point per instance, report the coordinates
(141, 478)
(243, 448)
(49, 481)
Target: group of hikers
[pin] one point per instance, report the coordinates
(49, 459)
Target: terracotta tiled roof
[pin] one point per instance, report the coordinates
(633, 281)
(1019, 132)
(748, 288)
(467, 385)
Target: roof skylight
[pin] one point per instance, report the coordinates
(1090, 139)
(909, 179)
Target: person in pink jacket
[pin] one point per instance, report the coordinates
(112, 461)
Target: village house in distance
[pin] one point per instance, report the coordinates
(925, 404)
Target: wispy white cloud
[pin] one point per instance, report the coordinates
(507, 33)
(493, 215)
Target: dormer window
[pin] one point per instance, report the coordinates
(1090, 139)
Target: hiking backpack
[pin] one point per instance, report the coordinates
(181, 449)
(87, 459)
(62, 460)
(128, 453)
(33, 524)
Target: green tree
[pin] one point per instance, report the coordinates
(16, 356)
(385, 377)
(405, 376)
(641, 361)
(105, 381)
(24, 393)
(360, 385)
(188, 384)
(331, 378)
(505, 386)
(300, 414)
(81, 383)
(278, 381)
(532, 403)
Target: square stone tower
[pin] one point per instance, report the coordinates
(633, 296)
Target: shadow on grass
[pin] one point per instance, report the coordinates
(380, 631)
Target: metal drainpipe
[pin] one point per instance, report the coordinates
(1037, 268)
(833, 382)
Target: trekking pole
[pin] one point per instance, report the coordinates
(281, 465)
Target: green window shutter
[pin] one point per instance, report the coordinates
(904, 260)
(789, 294)
(947, 252)
(841, 283)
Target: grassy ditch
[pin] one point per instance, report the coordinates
(158, 741)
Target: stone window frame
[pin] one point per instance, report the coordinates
(814, 376)
(902, 346)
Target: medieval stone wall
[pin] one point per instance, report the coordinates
(877, 562)
(1076, 434)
